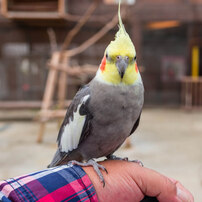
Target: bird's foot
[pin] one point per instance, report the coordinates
(113, 157)
(96, 167)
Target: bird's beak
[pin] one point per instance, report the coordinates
(121, 64)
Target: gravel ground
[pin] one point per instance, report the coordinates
(168, 140)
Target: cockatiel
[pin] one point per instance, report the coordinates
(106, 111)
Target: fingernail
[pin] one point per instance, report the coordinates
(182, 196)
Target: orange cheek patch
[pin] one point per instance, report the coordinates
(103, 63)
(136, 68)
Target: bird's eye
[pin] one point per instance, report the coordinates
(107, 56)
(118, 57)
(135, 58)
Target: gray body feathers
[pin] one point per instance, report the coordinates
(111, 112)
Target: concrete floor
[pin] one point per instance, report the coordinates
(168, 140)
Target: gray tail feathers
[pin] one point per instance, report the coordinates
(58, 159)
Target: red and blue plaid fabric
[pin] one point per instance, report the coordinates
(62, 183)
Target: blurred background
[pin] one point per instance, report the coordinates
(49, 48)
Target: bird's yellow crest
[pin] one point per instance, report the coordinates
(118, 65)
(122, 43)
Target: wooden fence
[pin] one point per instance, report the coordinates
(191, 92)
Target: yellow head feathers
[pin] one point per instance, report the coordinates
(122, 45)
(119, 62)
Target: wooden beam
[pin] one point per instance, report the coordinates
(76, 70)
(93, 39)
(20, 104)
(81, 22)
(50, 114)
(32, 15)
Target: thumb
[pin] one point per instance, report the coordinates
(165, 189)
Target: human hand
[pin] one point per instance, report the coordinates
(128, 181)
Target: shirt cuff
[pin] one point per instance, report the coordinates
(62, 183)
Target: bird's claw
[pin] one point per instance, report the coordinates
(96, 167)
(138, 162)
(102, 167)
(113, 157)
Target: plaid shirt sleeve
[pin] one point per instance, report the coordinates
(62, 183)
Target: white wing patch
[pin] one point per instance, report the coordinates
(72, 131)
(85, 98)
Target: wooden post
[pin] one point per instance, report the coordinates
(4, 8)
(48, 94)
(61, 7)
(62, 89)
(62, 86)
